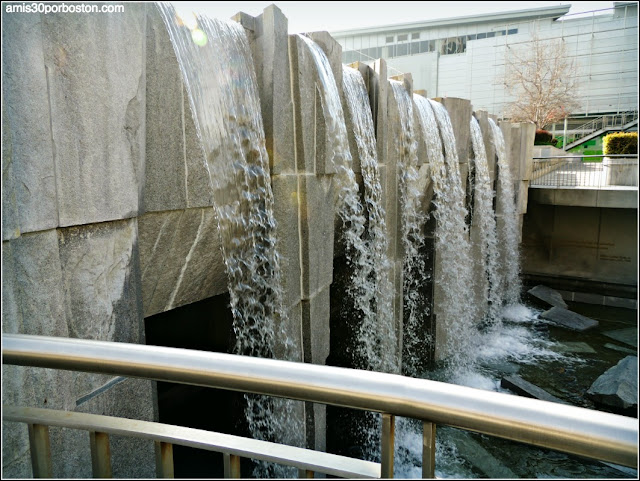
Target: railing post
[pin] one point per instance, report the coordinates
(164, 460)
(40, 451)
(388, 441)
(100, 455)
(231, 465)
(428, 450)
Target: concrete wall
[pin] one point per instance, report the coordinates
(107, 215)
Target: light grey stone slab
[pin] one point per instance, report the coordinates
(199, 182)
(180, 258)
(628, 336)
(460, 114)
(524, 388)
(10, 221)
(577, 347)
(618, 386)
(165, 169)
(547, 296)
(286, 211)
(615, 347)
(317, 211)
(25, 84)
(528, 134)
(315, 321)
(96, 82)
(570, 320)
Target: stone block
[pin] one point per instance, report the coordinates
(199, 182)
(460, 114)
(576, 197)
(617, 199)
(628, 336)
(315, 327)
(25, 84)
(523, 196)
(286, 205)
(378, 86)
(615, 347)
(547, 296)
(317, 200)
(10, 221)
(570, 320)
(617, 388)
(165, 169)
(524, 388)
(271, 59)
(97, 60)
(527, 137)
(180, 258)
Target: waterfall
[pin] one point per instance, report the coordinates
(484, 225)
(217, 69)
(377, 337)
(507, 222)
(413, 220)
(454, 276)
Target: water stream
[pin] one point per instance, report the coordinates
(217, 69)
(484, 225)
(507, 222)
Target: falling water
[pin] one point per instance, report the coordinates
(413, 220)
(217, 68)
(507, 222)
(485, 223)
(377, 336)
(455, 276)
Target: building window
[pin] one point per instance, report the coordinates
(512, 31)
(402, 38)
(402, 49)
(415, 35)
(482, 35)
(390, 39)
(491, 34)
(454, 45)
(471, 37)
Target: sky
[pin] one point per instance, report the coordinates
(310, 16)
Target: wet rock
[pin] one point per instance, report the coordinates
(570, 320)
(617, 388)
(575, 347)
(628, 336)
(525, 388)
(615, 347)
(546, 295)
(473, 452)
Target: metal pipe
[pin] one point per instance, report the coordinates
(571, 429)
(40, 447)
(100, 455)
(428, 450)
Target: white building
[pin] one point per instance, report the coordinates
(465, 56)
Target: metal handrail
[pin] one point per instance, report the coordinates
(606, 121)
(570, 429)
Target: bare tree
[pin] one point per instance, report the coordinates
(542, 79)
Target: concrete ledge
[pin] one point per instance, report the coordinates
(615, 197)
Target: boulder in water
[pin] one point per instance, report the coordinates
(547, 296)
(570, 320)
(617, 388)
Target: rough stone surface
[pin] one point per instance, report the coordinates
(286, 198)
(528, 134)
(573, 347)
(165, 170)
(570, 320)
(460, 114)
(617, 388)
(199, 185)
(10, 221)
(180, 258)
(483, 119)
(315, 321)
(316, 196)
(98, 61)
(25, 83)
(547, 296)
(273, 73)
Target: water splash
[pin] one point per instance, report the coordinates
(508, 221)
(484, 225)
(221, 84)
(413, 220)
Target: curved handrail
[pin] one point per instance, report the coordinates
(571, 429)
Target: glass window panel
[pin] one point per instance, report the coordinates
(415, 48)
(482, 35)
(402, 38)
(389, 39)
(402, 49)
(415, 35)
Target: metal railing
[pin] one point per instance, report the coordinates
(570, 429)
(611, 121)
(573, 171)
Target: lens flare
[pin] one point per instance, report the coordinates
(199, 37)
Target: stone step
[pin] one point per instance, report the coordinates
(628, 335)
(547, 296)
(615, 347)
